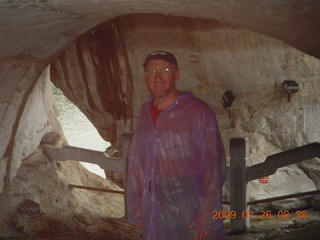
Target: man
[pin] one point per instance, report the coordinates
(176, 163)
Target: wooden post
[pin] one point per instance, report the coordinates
(239, 152)
(126, 141)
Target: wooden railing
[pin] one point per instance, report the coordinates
(83, 155)
(91, 156)
(240, 175)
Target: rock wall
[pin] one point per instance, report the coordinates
(250, 64)
(94, 73)
(28, 114)
(39, 204)
(213, 58)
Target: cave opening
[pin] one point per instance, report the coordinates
(78, 130)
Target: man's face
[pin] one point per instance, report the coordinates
(163, 79)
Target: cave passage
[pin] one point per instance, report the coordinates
(78, 130)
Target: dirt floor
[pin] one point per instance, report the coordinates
(261, 229)
(39, 205)
(296, 227)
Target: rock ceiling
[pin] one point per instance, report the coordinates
(41, 29)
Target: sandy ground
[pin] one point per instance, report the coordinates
(261, 229)
(81, 214)
(280, 228)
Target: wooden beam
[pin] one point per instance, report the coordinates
(273, 162)
(126, 141)
(84, 155)
(96, 189)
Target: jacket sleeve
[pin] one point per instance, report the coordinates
(134, 184)
(213, 166)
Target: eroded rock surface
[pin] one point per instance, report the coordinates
(101, 73)
(213, 58)
(40, 203)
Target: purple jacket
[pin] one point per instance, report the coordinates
(176, 171)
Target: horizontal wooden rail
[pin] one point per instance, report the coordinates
(240, 175)
(84, 155)
(273, 162)
(96, 189)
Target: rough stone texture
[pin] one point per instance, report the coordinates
(45, 208)
(213, 58)
(95, 74)
(36, 117)
(281, 228)
(295, 22)
(42, 207)
(23, 56)
(216, 54)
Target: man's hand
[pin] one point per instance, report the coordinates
(200, 235)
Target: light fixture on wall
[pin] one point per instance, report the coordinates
(290, 86)
(227, 99)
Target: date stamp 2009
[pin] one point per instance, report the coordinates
(262, 214)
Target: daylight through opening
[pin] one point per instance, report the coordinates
(78, 130)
